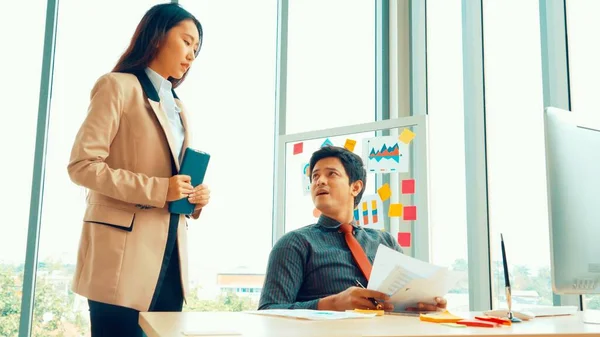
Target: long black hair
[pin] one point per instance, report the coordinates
(150, 32)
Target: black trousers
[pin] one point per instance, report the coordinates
(116, 321)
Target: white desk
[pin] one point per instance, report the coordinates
(157, 324)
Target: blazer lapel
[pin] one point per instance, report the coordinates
(161, 116)
(184, 122)
(164, 123)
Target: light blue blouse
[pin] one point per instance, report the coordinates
(167, 101)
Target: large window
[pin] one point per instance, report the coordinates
(395, 193)
(218, 125)
(515, 151)
(584, 53)
(86, 48)
(448, 221)
(299, 208)
(331, 64)
(230, 97)
(20, 65)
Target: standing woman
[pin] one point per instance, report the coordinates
(132, 252)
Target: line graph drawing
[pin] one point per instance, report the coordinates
(385, 154)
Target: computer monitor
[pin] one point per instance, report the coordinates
(573, 175)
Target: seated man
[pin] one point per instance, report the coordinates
(313, 267)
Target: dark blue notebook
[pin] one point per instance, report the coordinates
(194, 164)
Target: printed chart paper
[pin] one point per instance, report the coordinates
(385, 155)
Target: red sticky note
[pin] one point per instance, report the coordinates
(410, 213)
(298, 148)
(404, 239)
(408, 186)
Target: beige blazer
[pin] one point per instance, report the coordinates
(122, 155)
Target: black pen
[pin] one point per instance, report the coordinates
(507, 289)
(374, 301)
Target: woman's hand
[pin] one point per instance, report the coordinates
(200, 196)
(179, 187)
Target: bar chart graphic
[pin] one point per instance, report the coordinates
(369, 212)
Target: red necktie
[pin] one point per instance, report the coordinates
(357, 251)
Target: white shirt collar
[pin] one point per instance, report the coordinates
(159, 82)
(163, 88)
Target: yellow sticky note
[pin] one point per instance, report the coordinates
(350, 144)
(406, 136)
(384, 192)
(395, 210)
(440, 317)
(368, 311)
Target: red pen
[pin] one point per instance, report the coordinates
(493, 319)
(477, 323)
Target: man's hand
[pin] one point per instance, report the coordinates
(200, 196)
(354, 298)
(440, 303)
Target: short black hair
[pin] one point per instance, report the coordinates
(353, 165)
